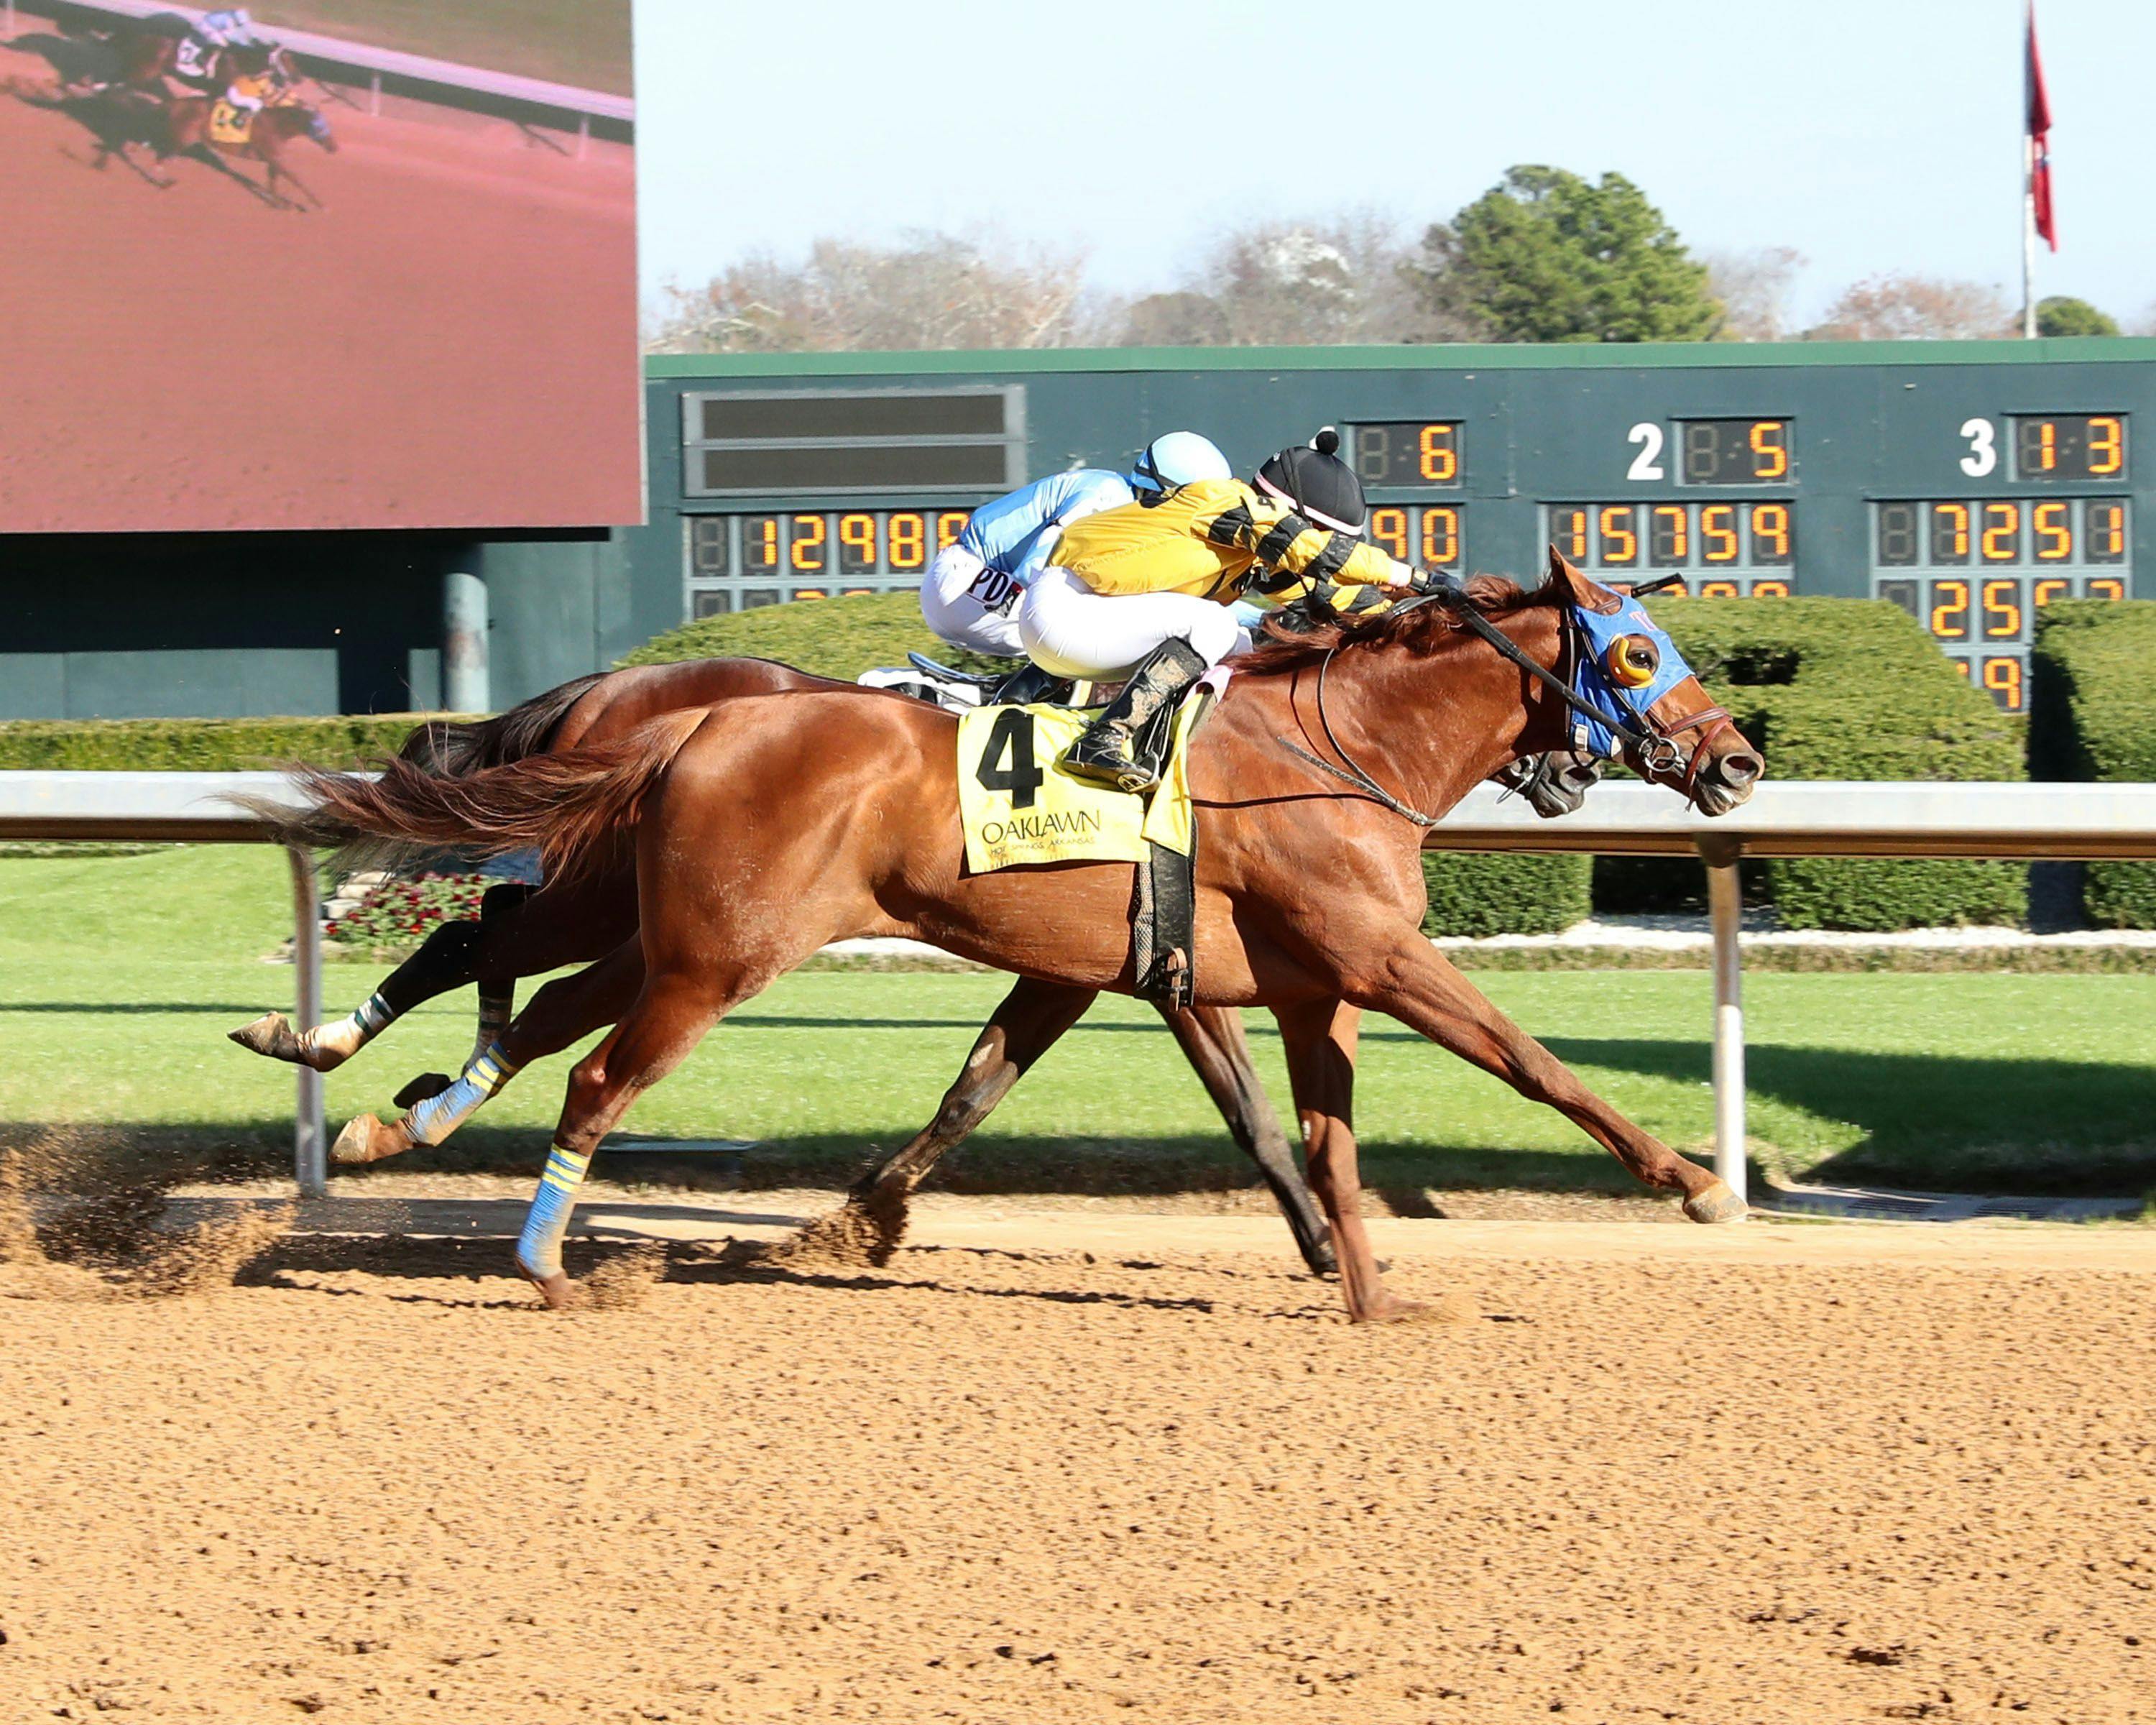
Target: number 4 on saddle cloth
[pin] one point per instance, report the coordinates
(1018, 808)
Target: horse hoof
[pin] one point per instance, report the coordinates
(364, 1139)
(271, 1034)
(1448, 1309)
(555, 1287)
(1716, 1204)
(426, 1086)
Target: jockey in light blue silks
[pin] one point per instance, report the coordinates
(969, 596)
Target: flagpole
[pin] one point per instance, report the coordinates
(2028, 237)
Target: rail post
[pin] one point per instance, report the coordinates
(309, 1130)
(1725, 909)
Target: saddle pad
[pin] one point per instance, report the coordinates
(1017, 805)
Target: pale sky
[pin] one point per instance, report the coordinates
(1871, 135)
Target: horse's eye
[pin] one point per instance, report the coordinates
(1632, 661)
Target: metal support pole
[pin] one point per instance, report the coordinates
(374, 95)
(1725, 907)
(465, 684)
(309, 1130)
(583, 136)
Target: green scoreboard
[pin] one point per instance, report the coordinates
(1971, 483)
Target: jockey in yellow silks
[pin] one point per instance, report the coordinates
(1144, 590)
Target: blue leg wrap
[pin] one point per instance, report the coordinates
(539, 1247)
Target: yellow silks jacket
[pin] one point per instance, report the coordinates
(1205, 539)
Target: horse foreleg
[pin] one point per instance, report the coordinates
(1426, 993)
(669, 1017)
(277, 172)
(566, 1010)
(1212, 1038)
(869, 1226)
(1319, 1037)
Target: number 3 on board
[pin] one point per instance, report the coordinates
(1647, 464)
(1982, 451)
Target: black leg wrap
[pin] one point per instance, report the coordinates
(1026, 687)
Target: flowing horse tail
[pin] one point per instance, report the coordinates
(561, 805)
(455, 748)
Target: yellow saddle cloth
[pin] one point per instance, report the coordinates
(1018, 806)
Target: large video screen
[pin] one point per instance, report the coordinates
(317, 263)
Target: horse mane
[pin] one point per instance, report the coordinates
(1419, 630)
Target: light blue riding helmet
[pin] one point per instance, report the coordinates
(1177, 458)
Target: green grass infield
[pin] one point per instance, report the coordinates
(120, 974)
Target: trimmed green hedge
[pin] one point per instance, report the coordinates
(1474, 894)
(833, 638)
(1855, 689)
(2092, 716)
(197, 745)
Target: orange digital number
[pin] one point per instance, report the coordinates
(857, 543)
(1569, 533)
(1953, 518)
(1961, 667)
(2106, 445)
(2047, 590)
(2002, 610)
(908, 539)
(1440, 537)
(1770, 450)
(2106, 587)
(760, 541)
(1717, 532)
(1770, 589)
(1438, 457)
(949, 524)
(805, 539)
(1717, 589)
(2047, 446)
(2105, 525)
(1950, 610)
(1619, 543)
(1389, 528)
(858, 593)
(809, 593)
(2003, 678)
(1770, 532)
(2053, 523)
(2000, 541)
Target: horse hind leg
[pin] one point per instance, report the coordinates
(671, 1016)
(869, 1226)
(564, 1011)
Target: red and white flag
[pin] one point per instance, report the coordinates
(2037, 124)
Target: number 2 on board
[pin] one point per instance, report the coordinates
(1647, 464)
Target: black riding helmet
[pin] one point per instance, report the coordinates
(1317, 485)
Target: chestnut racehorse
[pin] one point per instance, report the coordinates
(524, 931)
(765, 829)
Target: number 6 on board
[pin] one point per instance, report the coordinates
(1982, 455)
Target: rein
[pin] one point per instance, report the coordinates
(1656, 747)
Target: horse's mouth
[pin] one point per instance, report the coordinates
(1712, 797)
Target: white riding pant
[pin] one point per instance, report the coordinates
(1074, 632)
(968, 604)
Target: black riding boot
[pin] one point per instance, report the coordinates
(1027, 685)
(1108, 751)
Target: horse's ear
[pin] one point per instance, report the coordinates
(1589, 595)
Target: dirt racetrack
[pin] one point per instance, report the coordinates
(451, 343)
(1729, 1477)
